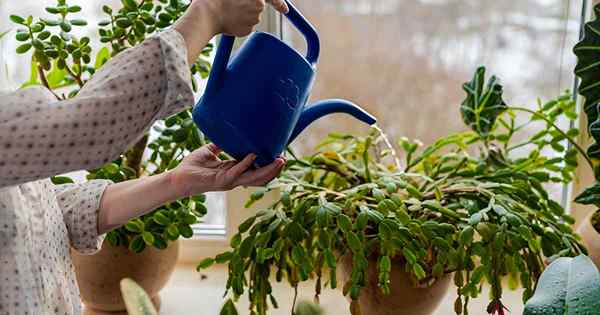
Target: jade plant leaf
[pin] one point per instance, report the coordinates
(483, 104)
(588, 70)
(136, 299)
(568, 286)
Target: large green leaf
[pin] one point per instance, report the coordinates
(590, 196)
(136, 299)
(568, 286)
(588, 70)
(483, 104)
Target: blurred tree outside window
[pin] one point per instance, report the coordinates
(405, 60)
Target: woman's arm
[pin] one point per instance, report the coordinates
(200, 172)
(41, 137)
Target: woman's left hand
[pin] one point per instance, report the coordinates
(202, 171)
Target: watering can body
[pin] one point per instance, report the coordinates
(255, 101)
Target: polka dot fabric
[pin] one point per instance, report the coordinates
(41, 137)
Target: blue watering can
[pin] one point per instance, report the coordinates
(255, 102)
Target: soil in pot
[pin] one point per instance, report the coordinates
(99, 275)
(591, 237)
(404, 299)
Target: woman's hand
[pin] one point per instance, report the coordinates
(202, 171)
(199, 172)
(206, 18)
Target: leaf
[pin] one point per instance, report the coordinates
(590, 196)
(588, 70)
(205, 264)
(228, 308)
(568, 284)
(148, 238)
(23, 48)
(17, 19)
(137, 301)
(61, 180)
(102, 57)
(483, 103)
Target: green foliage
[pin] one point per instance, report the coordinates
(136, 299)
(483, 103)
(61, 60)
(568, 286)
(588, 56)
(468, 205)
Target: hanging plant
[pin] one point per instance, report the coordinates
(480, 217)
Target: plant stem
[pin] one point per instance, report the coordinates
(45, 81)
(574, 143)
(134, 155)
(76, 77)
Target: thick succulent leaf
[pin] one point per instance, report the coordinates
(569, 286)
(136, 300)
(483, 104)
(588, 70)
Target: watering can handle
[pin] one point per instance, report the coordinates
(309, 32)
(226, 47)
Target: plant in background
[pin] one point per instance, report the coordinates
(482, 216)
(569, 285)
(587, 52)
(63, 63)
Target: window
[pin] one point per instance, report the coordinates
(405, 61)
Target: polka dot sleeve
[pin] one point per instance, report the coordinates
(41, 137)
(80, 204)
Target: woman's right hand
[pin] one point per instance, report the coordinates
(238, 17)
(205, 19)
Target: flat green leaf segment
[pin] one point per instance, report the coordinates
(588, 70)
(483, 103)
(136, 299)
(569, 286)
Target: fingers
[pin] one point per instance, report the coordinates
(262, 176)
(241, 167)
(280, 5)
(213, 148)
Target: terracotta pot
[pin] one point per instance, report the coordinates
(404, 298)
(99, 275)
(591, 239)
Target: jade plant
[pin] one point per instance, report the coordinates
(472, 206)
(63, 63)
(588, 55)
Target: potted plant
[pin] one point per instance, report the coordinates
(467, 208)
(145, 249)
(587, 58)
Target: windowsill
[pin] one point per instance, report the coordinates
(187, 293)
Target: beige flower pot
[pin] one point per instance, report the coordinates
(404, 299)
(99, 275)
(591, 239)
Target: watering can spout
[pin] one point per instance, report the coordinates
(324, 108)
